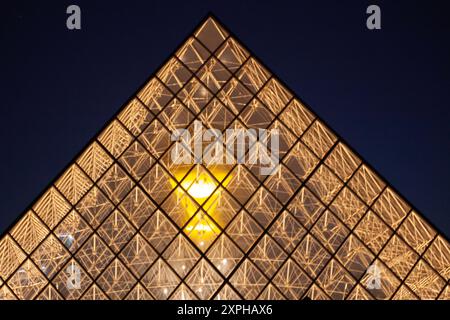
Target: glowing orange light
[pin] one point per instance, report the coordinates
(202, 190)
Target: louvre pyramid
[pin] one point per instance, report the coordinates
(121, 223)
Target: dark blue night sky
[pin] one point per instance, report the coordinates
(386, 92)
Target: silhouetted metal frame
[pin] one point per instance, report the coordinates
(260, 184)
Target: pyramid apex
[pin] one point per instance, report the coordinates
(211, 32)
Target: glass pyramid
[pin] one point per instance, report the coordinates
(123, 221)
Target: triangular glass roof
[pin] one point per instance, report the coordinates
(124, 221)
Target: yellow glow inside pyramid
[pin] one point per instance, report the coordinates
(202, 230)
(202, 190)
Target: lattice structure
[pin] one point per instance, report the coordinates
(123, 221)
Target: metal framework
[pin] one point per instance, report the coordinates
(123, 216)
